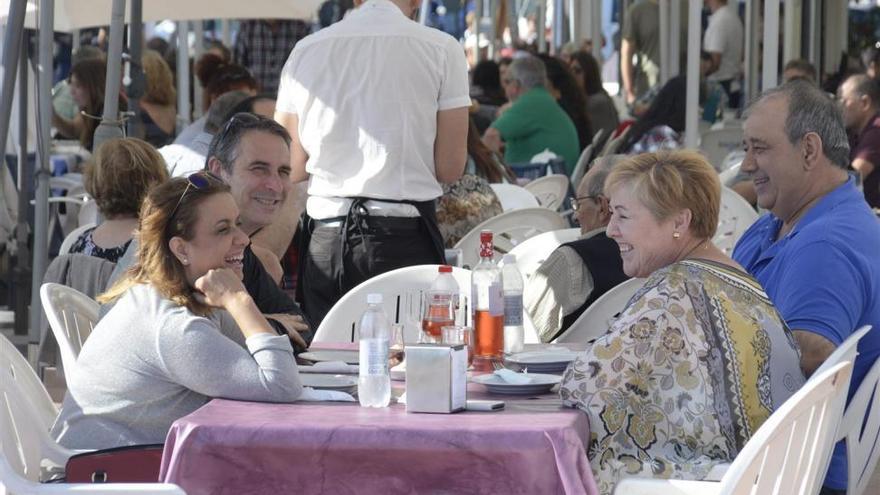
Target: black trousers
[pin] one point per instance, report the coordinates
(332, 265)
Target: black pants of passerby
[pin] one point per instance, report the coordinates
(332, 267)
(733, 97)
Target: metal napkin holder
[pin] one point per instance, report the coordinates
(436, 378)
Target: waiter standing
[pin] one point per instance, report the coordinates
(377, 106)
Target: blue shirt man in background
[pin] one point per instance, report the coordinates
(817, 253)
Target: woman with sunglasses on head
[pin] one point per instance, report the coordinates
(153, 358)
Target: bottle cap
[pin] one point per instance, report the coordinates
(445, 269)
(374, 298)
(509, 259)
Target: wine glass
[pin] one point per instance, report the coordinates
(439, 307)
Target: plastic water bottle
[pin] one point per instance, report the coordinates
(513, 305)
(374, 379)
(445, 282)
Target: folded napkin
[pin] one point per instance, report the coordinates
(333, 367)
(513, 377)
(314, 395)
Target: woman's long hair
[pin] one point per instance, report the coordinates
(487, 164)
(572, 98)
(590, 75)
(170, 210)
(668, 108)
(91, 75)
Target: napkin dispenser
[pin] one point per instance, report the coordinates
(436, 378)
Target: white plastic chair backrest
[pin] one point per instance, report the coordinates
(717, 143)
(862, 434)
(732, 159)
(510, 228)
(513, 197)
(533, 251)
(33, 388)
(786, 453)
(846, 351)
(580, 168)
(88, 212)
(596, 319)
(734, 217)
(728, 176)
(340, 323)
(72, 315)
(74, 234)
(550, 190)
(24, 427)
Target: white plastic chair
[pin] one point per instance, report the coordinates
(734, 217)
(860, 426)
(74, 234)
(396, 287)
(717, 143)
(510, 228)
(16, 366)
(513, 197)
(23, 418)
(533, 251)
(783, 456)
(550, 190)
(580, 168)
(72, 315)
(596, 319)
(728, 176)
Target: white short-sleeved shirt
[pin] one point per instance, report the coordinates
(724, 35)
(367, 91)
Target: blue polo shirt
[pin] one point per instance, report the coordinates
(823, 277)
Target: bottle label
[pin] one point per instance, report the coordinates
(496, 299)
(513, 310)
(373, 357)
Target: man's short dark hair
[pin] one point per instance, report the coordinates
(812, 110)
(225, 146)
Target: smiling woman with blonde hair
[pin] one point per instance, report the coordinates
(153, 358)
(699, 357)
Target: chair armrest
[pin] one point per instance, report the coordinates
(652, 486)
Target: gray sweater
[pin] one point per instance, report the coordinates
(149, 362)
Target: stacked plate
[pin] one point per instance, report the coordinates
(342, 383)
(538, 384)
(543, 361)
(320, 355)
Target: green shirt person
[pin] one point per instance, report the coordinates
(534, 121)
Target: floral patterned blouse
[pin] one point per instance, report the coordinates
(86, 245)
(464, 205)
(694, 364)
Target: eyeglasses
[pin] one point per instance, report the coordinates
(574, 203)
(199, 180)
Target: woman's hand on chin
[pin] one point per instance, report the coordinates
(221, 288)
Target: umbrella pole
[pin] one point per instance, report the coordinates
(22, 272)
(11, 49)
(43, 170)
(136, 69)
(111, 126)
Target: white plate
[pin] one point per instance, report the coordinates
(329, 382)
(350, 357)
(540, 384)
(543, 361)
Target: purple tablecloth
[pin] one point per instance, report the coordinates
(534, 446)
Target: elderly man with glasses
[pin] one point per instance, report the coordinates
(577, 273)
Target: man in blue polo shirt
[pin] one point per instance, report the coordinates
(817, 253)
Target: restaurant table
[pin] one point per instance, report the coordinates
(533, 446)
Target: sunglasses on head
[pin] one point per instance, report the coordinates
(199, 180)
